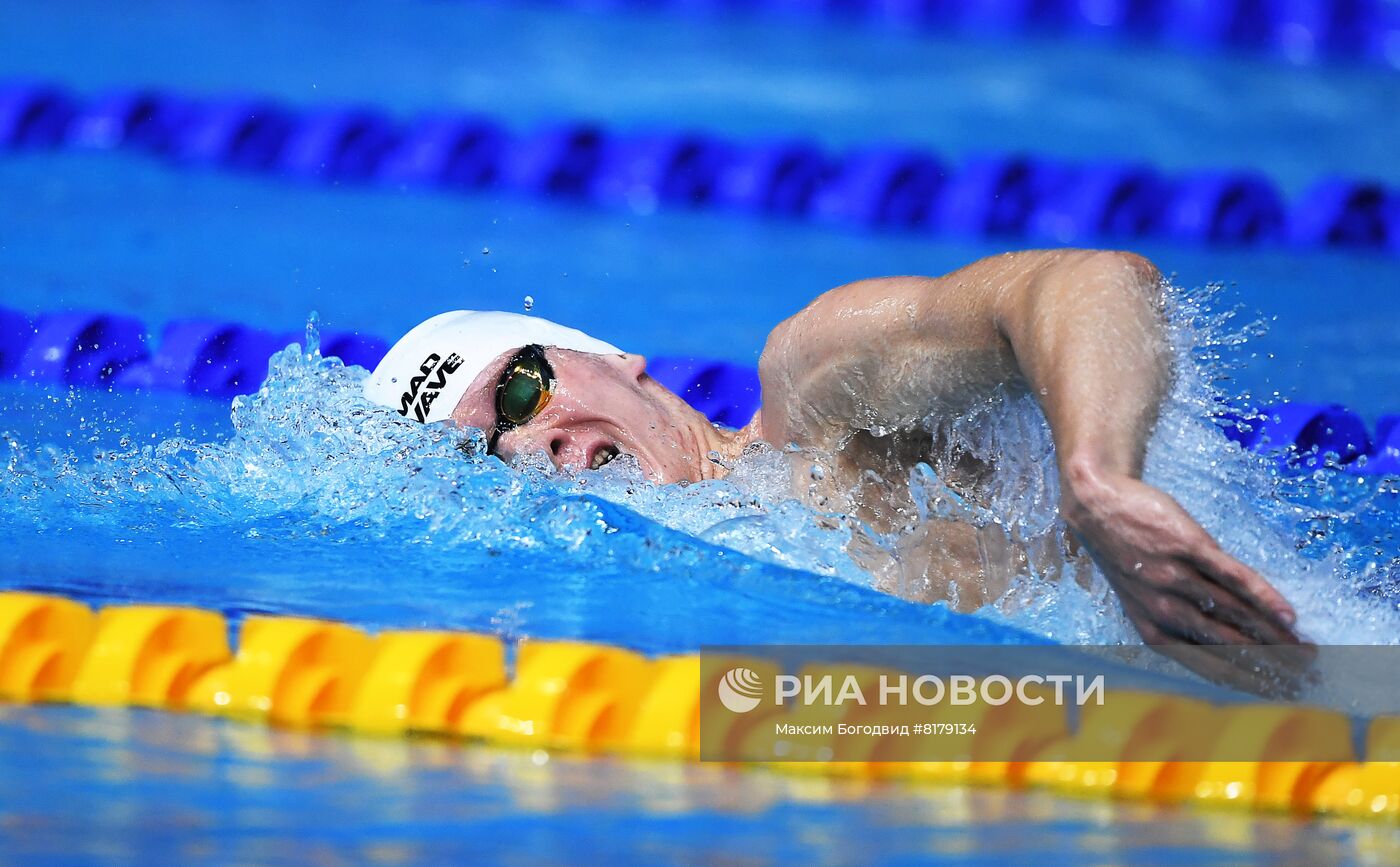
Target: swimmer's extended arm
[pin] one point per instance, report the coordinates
(1084, 331)
(1087, 333)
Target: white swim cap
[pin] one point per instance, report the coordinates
(428, 370)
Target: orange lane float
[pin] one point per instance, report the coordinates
(566, 694)
(1142, 732)
(288, 670)
(597, 698)
(1268, 779)
(149, 655)
(42, 642)
(426, 681)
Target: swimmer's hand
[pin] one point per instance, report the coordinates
(1178, 587)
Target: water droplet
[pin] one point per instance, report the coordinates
(486, 251)
(713, 456)
(529, 303)
(817, 473)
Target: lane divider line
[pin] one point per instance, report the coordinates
(1027, 196)
(222, 359)
(1299, 32)
(597, 699)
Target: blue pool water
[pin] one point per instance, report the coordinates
(169, 789)
(239, 248)
(302, 501)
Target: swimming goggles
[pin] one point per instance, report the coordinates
(522, 392)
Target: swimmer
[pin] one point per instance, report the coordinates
(852, 377)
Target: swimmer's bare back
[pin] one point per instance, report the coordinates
(1084, 332)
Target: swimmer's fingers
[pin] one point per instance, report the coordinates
(1242, 619)
(1272, 672)
(1187, 651)
(1275, 657)
(1215, 664)
(1246, 584)
(1179, 616)
(1242, 668)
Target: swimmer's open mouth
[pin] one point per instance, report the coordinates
(603, 456)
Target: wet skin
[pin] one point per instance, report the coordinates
(603, 404)
(852, 375)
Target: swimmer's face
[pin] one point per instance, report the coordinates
(600, 406)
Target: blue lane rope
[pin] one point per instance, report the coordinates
(1298, 31)
(222, 359)
(879, 188)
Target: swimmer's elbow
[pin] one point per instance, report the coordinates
(1086, 274)
(1060, 286)
(1123, 267)
(1137, 267)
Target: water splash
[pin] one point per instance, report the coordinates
(1324, 537)
(321, 503)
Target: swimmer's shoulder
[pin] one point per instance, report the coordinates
(806, 361)
(837, 326)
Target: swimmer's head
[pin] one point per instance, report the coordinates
(426, 373)
(533, 386)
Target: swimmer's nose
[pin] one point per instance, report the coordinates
(629, 362)
(568, 450)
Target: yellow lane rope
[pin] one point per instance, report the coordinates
(594, 698)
